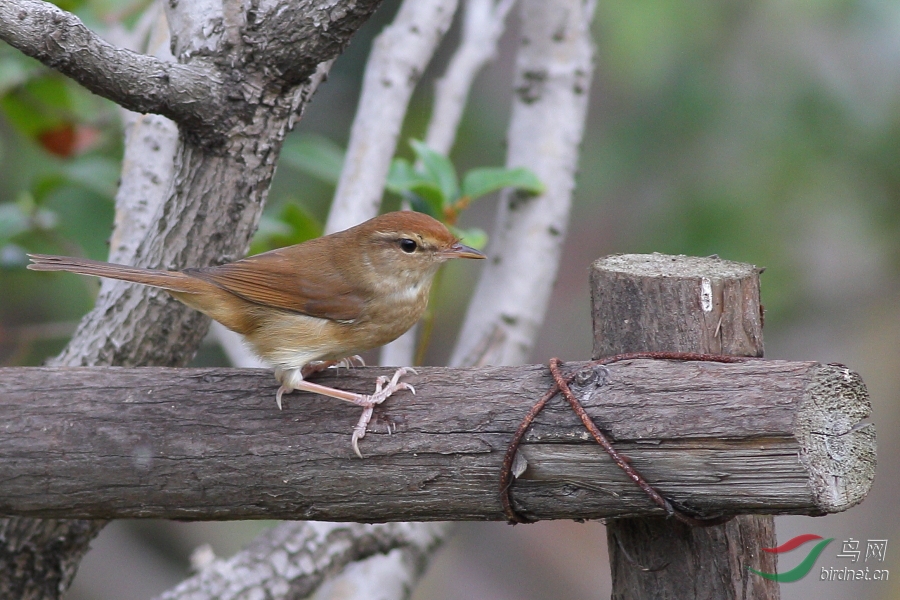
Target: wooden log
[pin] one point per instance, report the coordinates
(665, 303)
(205, 444)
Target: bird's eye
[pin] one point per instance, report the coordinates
(407, 245)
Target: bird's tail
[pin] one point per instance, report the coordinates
(168, 280)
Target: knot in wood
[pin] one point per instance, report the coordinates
(595, 374)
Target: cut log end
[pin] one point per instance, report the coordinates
(837, 445)
(683, 267)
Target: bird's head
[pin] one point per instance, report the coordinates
(408, 247)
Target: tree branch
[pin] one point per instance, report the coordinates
(280, 565)
(146, 172)
(138, 82)
(756, 436)
(209, 211)
(483, 24)
(267, 49)
(398, 59)
(362, 203)
(399, 56)
(289, 38)
(147, 165)
(553, 77)
(28, 545)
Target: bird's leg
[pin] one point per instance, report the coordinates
(292, 379)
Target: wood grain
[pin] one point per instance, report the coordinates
(205, 444)
(655, 302)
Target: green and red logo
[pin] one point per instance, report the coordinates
(801, 570)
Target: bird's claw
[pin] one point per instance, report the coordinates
(289, 379)
(351, 361)
(292, 379)
(384, 388)
(359, 430)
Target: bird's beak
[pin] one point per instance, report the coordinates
(458, 250)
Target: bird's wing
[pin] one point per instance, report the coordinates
(292, 279)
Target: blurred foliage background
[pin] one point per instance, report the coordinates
(762, 131)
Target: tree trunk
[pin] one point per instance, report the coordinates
(257, 69)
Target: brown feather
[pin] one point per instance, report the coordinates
(169, 280)
(302, 279)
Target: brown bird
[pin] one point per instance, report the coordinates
(317, 304)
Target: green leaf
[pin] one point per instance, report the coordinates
(440, 170)
(479, 182)
(14, 71)
(25, 116)
(304, 226)
(314, 154)
(403, 179)
(69, 5)
(401, 176)
(294, 225)
(96, 174)
(83, 218)
(24, 215)
(423, 206)
(269, 228)
(40, 104)
(473, 236)
(46, 184)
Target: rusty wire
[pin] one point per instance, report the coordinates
(561, 384)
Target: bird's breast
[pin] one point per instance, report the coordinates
(290, 340)
(390, 315)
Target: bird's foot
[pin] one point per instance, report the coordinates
(384, 388)
(351, 361)
(290, 380)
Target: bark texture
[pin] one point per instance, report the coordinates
(178, 443)
(683, 304)
(294, 559)
(554, 66)
(239, 84)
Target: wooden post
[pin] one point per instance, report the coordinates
(682, 304)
